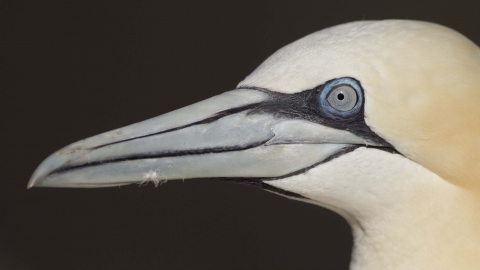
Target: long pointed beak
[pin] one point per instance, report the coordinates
(223, 136)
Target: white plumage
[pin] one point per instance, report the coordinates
(417, 86)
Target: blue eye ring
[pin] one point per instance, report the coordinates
(331, 112)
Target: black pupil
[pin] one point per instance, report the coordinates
(340, 96)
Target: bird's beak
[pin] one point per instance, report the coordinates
(224, 136)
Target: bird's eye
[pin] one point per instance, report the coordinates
(341, 98)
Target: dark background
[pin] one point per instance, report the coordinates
(69, 70)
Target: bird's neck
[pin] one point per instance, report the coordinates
(403, 216)
(441, 234)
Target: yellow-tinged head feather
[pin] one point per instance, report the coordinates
(421, 82)
(427, 101)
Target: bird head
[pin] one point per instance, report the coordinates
(348, 117)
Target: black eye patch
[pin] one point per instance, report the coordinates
(305, 105)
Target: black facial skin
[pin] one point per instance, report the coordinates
(304, 105)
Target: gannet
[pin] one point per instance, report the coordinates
(378, 121)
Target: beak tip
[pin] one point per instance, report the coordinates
(31, 182)
(37, 178)
(48, 165)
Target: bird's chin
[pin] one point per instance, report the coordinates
(265, 183)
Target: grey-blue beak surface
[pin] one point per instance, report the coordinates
(224, 136)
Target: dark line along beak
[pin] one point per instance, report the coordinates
(217, 137)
